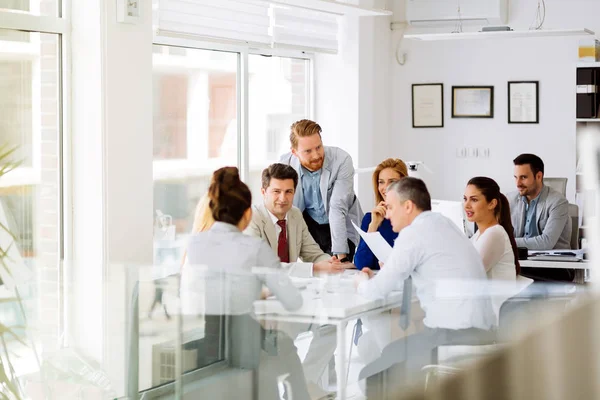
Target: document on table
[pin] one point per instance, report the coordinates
(376, 243)
(558, 252)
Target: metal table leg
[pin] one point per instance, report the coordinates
(340, 367)
(579, 276)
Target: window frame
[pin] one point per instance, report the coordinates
(243, 163)
(60, 26)
(243, 51)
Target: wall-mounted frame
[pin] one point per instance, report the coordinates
(524, 102)
(472, 102)
(428, 105)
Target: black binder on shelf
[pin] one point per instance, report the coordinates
(587, 92)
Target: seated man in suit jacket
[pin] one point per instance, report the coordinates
(325, 194)
(540, 216)
(283, 227)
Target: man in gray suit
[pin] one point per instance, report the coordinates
(283, 227)
(325, 194)
(540, 215)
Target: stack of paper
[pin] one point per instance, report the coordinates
(376, 243)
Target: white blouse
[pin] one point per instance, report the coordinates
(498, 259)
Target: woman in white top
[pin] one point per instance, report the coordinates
(494, 239)
(227, 270)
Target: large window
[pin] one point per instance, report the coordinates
(278, 95)
(196, 124)
(196, 131)
(30, 195)
(49, 8)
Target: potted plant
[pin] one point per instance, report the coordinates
(9, 385)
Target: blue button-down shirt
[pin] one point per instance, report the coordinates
(530, 228)
(313, 201)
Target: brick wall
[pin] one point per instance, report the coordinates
(298, 80)
(47, 226)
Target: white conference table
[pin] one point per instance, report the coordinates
(336, 305)
(579, 266)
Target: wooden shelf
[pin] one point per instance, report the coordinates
(588, 119)
(588, 64)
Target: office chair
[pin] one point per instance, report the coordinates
(574, 215)
(558, 184)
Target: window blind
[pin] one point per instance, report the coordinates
(304, 28)
(251, 21)
(229, 20)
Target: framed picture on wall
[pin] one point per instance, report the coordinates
(472, 102)
(428, 105)
(523, 102)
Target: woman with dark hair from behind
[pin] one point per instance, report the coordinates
(230, 283)
(494, 240)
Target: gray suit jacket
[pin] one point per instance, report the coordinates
(337, 191)
(300, 243)
(552, 218)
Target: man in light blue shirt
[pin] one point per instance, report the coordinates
(531, 229)
(325, 194)
(540, 216)
(311, 182)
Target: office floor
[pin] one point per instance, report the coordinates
(353, 391)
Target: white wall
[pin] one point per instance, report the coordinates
(353, 96)
(494, 62)
(112, 178)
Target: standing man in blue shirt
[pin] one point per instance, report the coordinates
(540, 216)
(325, 194)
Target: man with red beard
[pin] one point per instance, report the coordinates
(325, 193)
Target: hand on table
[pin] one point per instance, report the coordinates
(264, 293)
(331, 266)
(364, 275)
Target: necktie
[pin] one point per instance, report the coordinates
(406, 304)
(282, 245)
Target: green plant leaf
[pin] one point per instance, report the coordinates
(5, 330)
(6, 384)
(6, 166)
(9, 386)
(5, 229)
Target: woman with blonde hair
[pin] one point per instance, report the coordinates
(203, 220)
(386, 173)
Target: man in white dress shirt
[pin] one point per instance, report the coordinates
(443, 265)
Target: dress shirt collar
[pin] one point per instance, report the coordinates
(423, 215)
(310, 173)
(274, 218)
(534, 200)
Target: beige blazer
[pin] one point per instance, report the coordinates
(301, 244)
